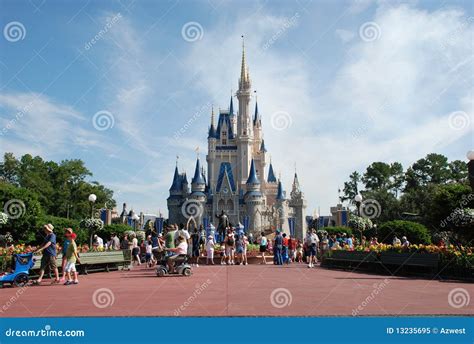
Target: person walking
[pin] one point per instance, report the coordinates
(195, 251)
(230, 247)
(66, 242)
(72, 257)
(48, 260)
(263, 247)
(135, 251)
(312, 242)
(284, 252)
(277, 248)
(210, 245)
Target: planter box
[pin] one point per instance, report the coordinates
(353, 256)
(430, 260)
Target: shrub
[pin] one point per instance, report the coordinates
(338, 230)
(416, 233)
(106, 232)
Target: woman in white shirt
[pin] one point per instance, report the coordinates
(182, 248)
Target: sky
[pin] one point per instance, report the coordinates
(127, 86)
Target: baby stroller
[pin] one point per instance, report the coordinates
(181, 266)
(21, 264)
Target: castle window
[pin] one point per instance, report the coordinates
(224, 141)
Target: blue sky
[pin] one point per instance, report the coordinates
(340, 84)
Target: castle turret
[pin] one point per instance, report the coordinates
(281, 205)
(298, 204)
(254, 200)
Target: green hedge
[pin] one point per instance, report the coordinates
(338, 230)
(416, 233)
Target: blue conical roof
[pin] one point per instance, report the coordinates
(212, 132)
(262, 146)
(231, 107)
(271, 175)
(176, 186)
(256, 116)
(198, 179)
(280, 192)
(253, 179)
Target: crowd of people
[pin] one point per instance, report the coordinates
(177, 240)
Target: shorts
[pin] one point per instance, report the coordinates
(229, 250)
(195, 252)
(147, 257)
(263, 248)
(239, 250)
(48, 262)
(70, 267)
(135, 251)
(312, 250)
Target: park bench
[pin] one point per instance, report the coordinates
(96, 261)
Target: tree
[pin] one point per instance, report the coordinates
(377, 176)
(433, 169)
(397, 177)
(9, 169)
(351, 188)
(23, 209)
(458, 171)
(416, 233)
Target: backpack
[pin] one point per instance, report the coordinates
(230, 241)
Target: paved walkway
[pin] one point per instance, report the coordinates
(253, 290)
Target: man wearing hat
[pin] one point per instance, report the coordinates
(48, 260)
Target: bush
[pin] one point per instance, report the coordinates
(338, 230)
(416, 233)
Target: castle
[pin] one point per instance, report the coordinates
(235, 183)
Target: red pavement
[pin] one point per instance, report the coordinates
(236, 291)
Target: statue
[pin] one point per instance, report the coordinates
(224, 223)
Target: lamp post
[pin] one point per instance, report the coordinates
(470, 168)
(358, 200)
(92, 199)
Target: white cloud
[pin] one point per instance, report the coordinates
(344, 35)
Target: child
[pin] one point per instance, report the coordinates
(210, 250)
(72, 257)
(299, 253)
(148, 252)
(222, 252)
(244, 249)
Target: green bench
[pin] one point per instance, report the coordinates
(96, 261)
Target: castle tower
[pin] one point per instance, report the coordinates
(281, 205)
(211, 149)
(244, 127)
(298, 204)
(198, 186)
(254, 200)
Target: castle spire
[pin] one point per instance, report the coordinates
(253, 179)
(271, 174)
(256, 116)
(212, 115)
(198, 179)
(231, 107)
(280, 191)
(244, 71)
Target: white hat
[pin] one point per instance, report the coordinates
(49, 227)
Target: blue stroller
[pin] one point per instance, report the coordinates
(21, 265)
